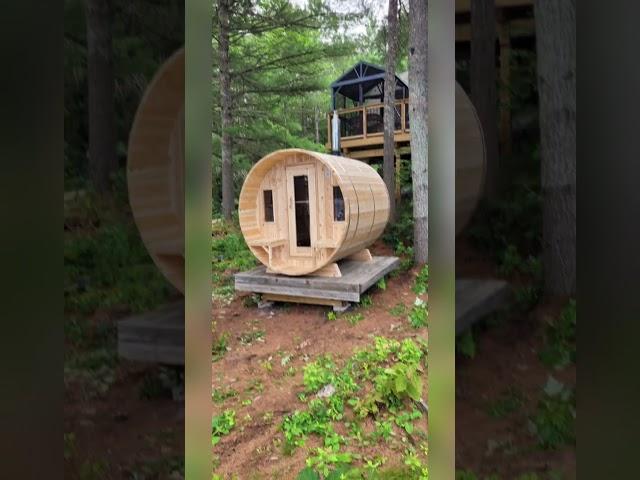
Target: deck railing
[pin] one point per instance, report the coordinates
(368, 120)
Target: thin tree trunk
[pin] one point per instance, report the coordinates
(225, 95)
(316, 119)
(388, 166)
(483, 84)
(103, 161)
(556, 51)
(418, 113)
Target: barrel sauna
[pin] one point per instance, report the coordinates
(300, 211)
(155, 169)
(470, 159)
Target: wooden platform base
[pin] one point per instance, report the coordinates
(477, 298)
(356, 277)
(156, 336)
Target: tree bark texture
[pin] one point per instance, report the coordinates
(388, 166)
(483, 84)
(418, 112)
(103, 161)
(556, 54)
(228, 202)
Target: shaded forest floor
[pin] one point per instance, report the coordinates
(515, 385)
(263, 375)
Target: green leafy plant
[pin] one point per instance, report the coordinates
(248, 338)
(422, 281)
(219, 395)
(511, 400)
(353, 318)
(398, 310)
(319, 373)
(220, 347)
(418, 314)
(366, 301)
(331, 316)
(382, 284)
(554, 420)
(222, 425)
(465, 344)
(560, 339)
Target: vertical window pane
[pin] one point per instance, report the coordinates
(301, 197)
(338, 205)
(268, 205)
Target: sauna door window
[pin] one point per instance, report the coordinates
(303, 220)
(302, 204)
(338, 205)
(268, 205)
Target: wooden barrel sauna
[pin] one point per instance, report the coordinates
(155, 169)
(301, 211)
(470, 159)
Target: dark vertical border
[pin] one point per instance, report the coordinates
(31, 212)
(198, 124)
(441, 100)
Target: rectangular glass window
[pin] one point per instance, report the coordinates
(268, 205)
(301, 197)
(338, 205)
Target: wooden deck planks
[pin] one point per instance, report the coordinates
(477, 298)
(156, 336)
(356, 278)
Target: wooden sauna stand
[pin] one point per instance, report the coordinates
(357, 277)
(156, 337)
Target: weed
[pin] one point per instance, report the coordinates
(331, 316)
(382, 284)
(267, 365)
(246, 402)
(554, 421)
(219, 395)
(353, 318)
(255, 385)
(560, 339)
(325, 457)
(318, 374)
(399, 310)
(510, 401)
(422, 281)
(220, 347)
(366, 301)
(465, 344)
(248, 338)
(527, 297)
(406, 256)
(222, 425)
(418, 314)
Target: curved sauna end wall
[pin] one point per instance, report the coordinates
(155, 169)
(301, 210)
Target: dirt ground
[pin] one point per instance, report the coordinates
(506, 359)
(122, 434)
(300, 332)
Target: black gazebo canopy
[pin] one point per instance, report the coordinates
(364, 81)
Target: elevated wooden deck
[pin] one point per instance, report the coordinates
(362, 129)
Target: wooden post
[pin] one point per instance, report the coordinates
(504, 36)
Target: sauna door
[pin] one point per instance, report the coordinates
(301, 205)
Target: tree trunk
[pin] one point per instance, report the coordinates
(225, 95)
(556, 51)
(316, 119)
(388, 166)
(103, 161)
(483, 84)
(418, 112)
